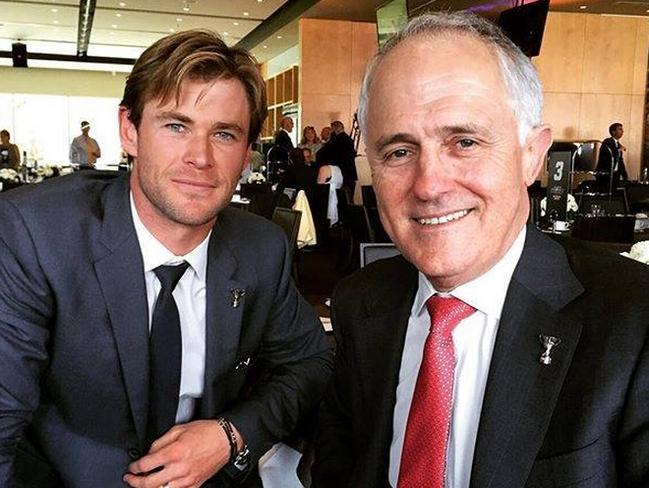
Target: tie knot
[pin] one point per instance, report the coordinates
(170, 275)
(446, 312)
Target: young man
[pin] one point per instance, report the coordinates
(487, 355)
(136, 311)
(611, 158)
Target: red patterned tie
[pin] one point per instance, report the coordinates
(423, 459)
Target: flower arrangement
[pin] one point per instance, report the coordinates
(571, 206)
(8, 174)
(639, 251)
(46, 171)
(256, 177)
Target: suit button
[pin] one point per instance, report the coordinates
(134, 453)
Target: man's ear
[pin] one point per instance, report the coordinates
(127, 132)
(534, 152)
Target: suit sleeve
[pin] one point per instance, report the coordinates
(298, 360)
(25, 310)
(633, 441)
(334, 456)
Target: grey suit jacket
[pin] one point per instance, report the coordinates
(74, 334)
(583, 420)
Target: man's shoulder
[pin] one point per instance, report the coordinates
(376, 282)
(605, 273)
(63, 194)
(247, 231)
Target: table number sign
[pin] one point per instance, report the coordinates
(559, 168)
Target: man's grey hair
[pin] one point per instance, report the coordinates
(519, 75)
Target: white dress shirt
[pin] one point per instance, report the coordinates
(189, 295)
(474, 339)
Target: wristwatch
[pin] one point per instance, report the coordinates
(242, 460)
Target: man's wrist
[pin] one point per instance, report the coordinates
(233, 436)
(239, 453)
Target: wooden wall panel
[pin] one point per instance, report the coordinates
(560, 63)
(364, 47)
(288, 86)
(609, 54)
(330, 77)
(319, 110)
(271, 92)
(640, 57)
(633, 136)
(612, 60)
(561, 111)
(599, 111)
(296, 84)
(325, 55)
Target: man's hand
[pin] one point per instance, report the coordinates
(186, 456)
(621, 147)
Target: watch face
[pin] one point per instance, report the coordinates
(243, 459)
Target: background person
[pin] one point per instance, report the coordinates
(84, 150)
(9, 153)
(611, 156)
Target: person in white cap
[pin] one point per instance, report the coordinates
(84, 150)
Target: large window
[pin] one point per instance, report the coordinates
(44, 125)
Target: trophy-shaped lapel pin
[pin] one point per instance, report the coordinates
(548, 342)
(237, 295)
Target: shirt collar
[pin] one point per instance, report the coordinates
(485, 293)
(154, 253)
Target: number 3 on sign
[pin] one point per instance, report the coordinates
(558, 175)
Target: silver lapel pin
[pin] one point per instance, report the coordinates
(548, 342)
(237, 295)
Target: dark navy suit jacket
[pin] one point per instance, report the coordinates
(74, 334)
(582, 421)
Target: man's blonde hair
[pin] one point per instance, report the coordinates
(195, 55)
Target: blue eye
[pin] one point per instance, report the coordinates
(226, 136)
(173, 127)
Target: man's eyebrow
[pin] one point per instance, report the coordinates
(468, 128)
(384, 141)
(228, 126)
(173, 115)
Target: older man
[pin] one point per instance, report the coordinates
(488, 355)
(144, 338)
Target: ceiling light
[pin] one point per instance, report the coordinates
(122, 4)
(260, 1)
(186, 9)
(172, 30)
(54, 10)
(246, 14)
(265, 47)
(226, 34)
(583, 7)
(178, 19)
(279, 37)
(114, 26)
(235, 23)
(118, 15)
(56, 21)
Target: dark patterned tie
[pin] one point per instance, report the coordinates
(423, 459)
(165, 354)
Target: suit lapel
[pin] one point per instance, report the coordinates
(223, 316)
(521, 392)
(119, 271)
(383, 332)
